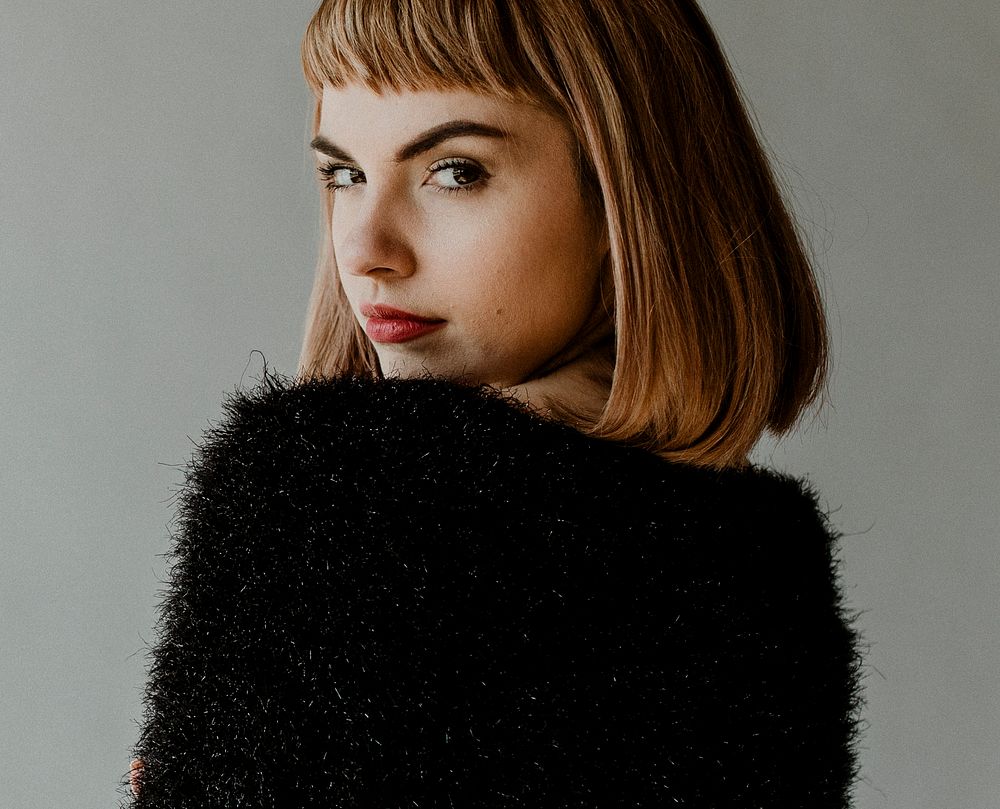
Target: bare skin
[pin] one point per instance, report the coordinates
(135, 775)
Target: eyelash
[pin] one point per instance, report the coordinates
(329, 170)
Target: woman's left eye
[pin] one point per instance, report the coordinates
(458, 167)
(462, 167)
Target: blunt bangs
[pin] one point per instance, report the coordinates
(419, 46)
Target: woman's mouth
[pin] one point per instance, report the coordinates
(387, 324)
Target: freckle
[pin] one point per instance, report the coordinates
(500, 311)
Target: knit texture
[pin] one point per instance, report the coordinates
(409, 593)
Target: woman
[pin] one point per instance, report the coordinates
(500, 544)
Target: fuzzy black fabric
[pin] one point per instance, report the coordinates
(409, 593)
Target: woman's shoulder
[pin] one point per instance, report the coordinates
(431, 439)
(353, 417)
(350, 415)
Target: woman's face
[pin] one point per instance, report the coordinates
(486, 235)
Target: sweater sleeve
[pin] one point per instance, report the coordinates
(208, 720)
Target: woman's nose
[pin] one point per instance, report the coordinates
(375, 238)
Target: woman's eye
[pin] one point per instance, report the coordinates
(460, 171)
(338, 176)
(331, 173)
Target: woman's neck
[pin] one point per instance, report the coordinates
(574, 385)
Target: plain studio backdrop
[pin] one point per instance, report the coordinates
(159, 223)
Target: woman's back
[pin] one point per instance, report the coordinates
(404, 592)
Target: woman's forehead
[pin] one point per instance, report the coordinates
(355, 112)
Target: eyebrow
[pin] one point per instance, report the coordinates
(425, 141)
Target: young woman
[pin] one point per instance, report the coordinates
(499, 543)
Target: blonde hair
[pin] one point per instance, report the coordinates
(719, 327)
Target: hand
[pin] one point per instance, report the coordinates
(135, 775)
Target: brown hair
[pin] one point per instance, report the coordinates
(719, 327)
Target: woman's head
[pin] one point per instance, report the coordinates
(718, 328)
(462, 208)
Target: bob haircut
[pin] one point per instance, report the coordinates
(719, 328)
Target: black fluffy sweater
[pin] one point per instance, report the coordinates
(411, 594)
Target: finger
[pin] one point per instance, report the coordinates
(134, 775)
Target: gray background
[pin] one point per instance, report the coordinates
(158, 223)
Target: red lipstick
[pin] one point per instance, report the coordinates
(386, 324)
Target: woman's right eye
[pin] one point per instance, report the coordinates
(329, 173)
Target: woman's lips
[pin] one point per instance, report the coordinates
(387, 324)
(381, 330)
